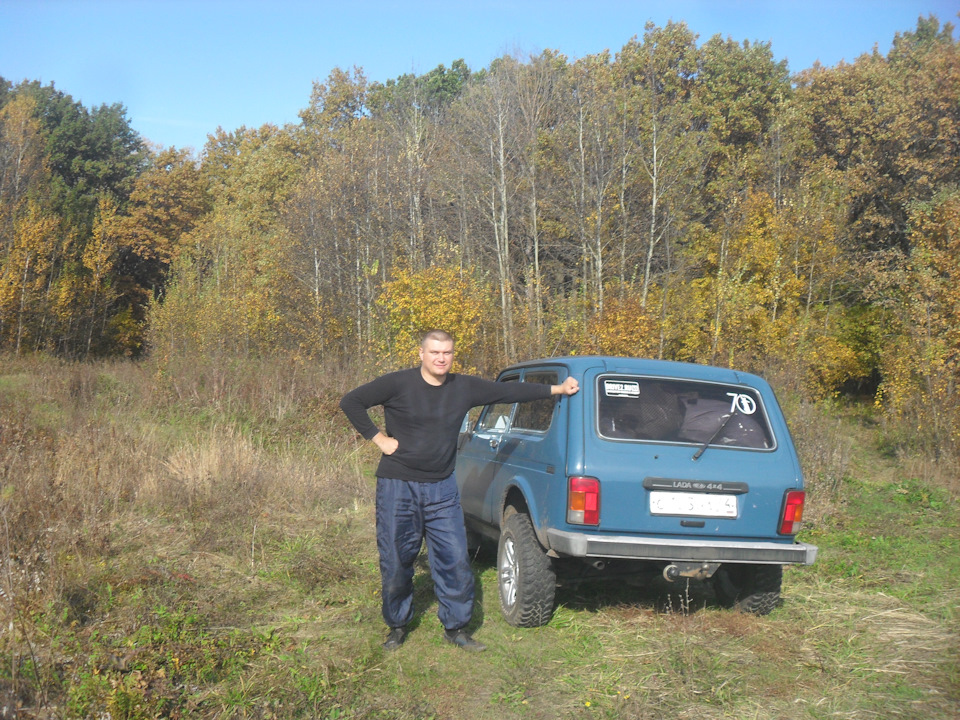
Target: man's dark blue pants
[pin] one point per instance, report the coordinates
(408, 513)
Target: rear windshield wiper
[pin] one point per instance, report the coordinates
(702, 448)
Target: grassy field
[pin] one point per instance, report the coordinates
(198, 542)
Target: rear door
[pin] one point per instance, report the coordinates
(684, 457)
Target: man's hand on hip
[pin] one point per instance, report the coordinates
(388, 445)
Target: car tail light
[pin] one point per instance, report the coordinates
(790, 518)
(583, 501)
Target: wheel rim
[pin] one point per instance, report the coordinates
(508, 573)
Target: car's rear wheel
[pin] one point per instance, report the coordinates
(525, 575)
(749, 588)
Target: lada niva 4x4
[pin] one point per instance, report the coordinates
(684, 470)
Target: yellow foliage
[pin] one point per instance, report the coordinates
(829, 363)
(21, 158)
(753, 304)
(25, 276)
(623, 328)
(100, 251)
(921, 366)
(437, 298)
(234, 289)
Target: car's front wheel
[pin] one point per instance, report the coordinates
(525, 575)
(749, 588)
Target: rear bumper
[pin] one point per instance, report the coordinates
(677, 550)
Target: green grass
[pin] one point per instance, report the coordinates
(170, 561)
(898, 537)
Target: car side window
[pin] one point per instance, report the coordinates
(538, 414)
(496, 417)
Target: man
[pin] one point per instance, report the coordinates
(417, 495)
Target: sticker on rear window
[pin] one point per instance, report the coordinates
(744, 403)
(619, 388)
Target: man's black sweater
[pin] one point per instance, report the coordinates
(425, 419)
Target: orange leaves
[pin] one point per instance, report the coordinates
(166, 203)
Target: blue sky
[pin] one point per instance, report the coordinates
(184, 67)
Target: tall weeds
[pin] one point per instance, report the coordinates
(87, 448)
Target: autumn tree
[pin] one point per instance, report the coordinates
(486, 120)
(586, 157)
(346, 210)
(99, 259)
(440, 297)
(889, 125)
(407, 115)
(921, 356)
(537, 89)
(671, 146)
(25, 297)
(22, 165)
(167, 202)
(58, 162)
(622, 328)
(740, 91)
(233, 290)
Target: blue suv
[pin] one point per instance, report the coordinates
(685, 470)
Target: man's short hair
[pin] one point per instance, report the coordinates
(439, 335)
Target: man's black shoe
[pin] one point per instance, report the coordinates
(461, 638)
(395, 638)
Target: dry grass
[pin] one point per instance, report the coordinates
(825, 446)
(88, 452)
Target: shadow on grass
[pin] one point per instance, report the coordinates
(425, 600)
(645, 591)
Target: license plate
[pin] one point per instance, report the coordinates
(698, 504)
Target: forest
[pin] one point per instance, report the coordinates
(678, 199)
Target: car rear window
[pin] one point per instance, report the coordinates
(681, 411)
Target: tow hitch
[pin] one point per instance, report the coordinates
(696, 571)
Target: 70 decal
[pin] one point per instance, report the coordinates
(743, 403)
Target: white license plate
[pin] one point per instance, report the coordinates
(700, 504)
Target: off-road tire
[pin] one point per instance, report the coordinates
(748, 588)
(526, 579)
